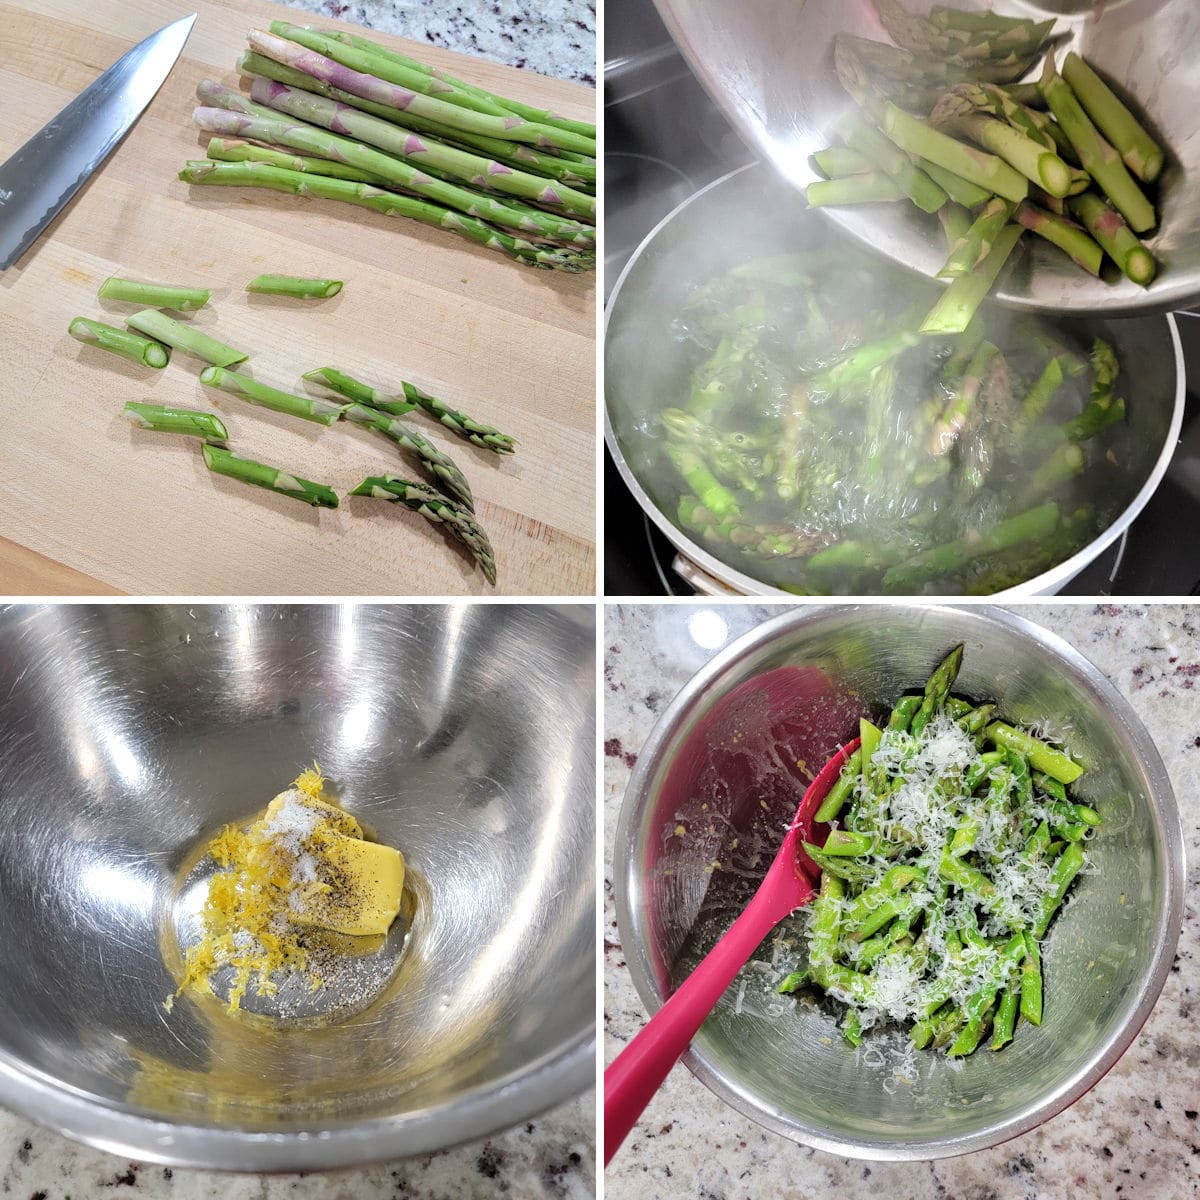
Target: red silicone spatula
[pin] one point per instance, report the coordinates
(638, 1071)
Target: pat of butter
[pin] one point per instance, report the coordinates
(337, 819)
(357, 890)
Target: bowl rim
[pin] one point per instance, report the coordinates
(1048, 582)
(631, 923)
(555, 1077)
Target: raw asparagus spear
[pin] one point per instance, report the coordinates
(523, 110)
(1064, 234)
(852, 189)
(222, 462)
(191, 421)
(984, 170)
(438, 464)
(296, 135)
(423, 151)
(237, 150)
(263, 175)
(294, 285)
(153, 295)
(1140, 152)
(1098, 157)
(371, 87)
(576, 171)
(957, 304)
(1120, 244)
(183, 337)
(433, 506)
(466, 427)
(308, 408)
(119, 341)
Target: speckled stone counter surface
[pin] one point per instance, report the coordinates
(551, 37)
(551, 1157)
(1137, 1134)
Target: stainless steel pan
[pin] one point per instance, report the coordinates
(769, 65)
(750, 211)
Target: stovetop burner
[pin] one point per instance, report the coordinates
(664, 140)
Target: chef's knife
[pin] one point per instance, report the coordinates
(52, 166)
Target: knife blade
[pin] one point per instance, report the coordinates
(43, 175)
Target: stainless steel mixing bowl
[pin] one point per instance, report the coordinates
(769, 65)
(463, 735)
(717, 782)
(750, 212)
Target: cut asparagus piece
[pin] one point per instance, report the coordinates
(956, 223)
(852, 189)
(860, 135)
(924, 568)
(222, 462)
(437, 463)
(359, 393)
(1140, 152)
(412, 397)
(483, 436)
(977, 167)
(1119, 242)
(190, 421)
(1066, 235)
(153, 295)
(1065, 463)
(837, 161)
(1096, 155)
(433, 506)
(1031, 158)
(958, 303)
(712, 493)
(864, 359)
(307, 408)
(960, 190)
(1042, 392)
(294, 285)
(976, 244)
(263, 175)
(119, 341)
(183, 337)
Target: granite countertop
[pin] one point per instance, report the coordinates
(1137, 1134)
(551, 37)
(551, 1157)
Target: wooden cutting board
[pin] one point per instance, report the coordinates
(89, 504)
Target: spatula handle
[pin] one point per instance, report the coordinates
(638, 1071)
